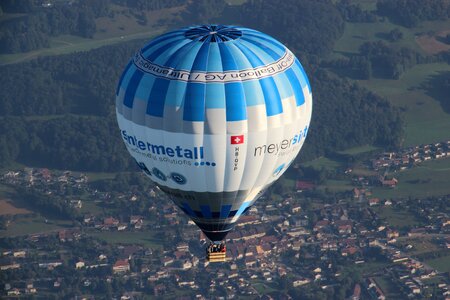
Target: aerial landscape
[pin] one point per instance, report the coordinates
(362, 212)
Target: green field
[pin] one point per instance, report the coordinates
(356, 34)
(442, 264)
(397, 218)
(31, 225)
(359, 150)
(420, 245)
(430, 178)
(425, 120)
(324, 163)
(145, 238)
(123, 26)
(389, 288)
(61, 45)
(336, 186)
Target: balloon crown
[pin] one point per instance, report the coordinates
(213, 33)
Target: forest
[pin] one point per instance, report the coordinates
(74, 94)
(58, 111)
(33, 30)
(411, 12)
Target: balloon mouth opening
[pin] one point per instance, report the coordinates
(216, 236)
(213, 33)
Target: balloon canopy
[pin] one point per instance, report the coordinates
(213, 115)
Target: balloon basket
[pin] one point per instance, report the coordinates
(216, 252)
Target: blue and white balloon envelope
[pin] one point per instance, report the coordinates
(214, 114)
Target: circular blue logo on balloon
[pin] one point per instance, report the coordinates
(159, 174)
(178, 178)
(142, 166)
(277, 171)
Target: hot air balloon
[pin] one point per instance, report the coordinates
(214, 115)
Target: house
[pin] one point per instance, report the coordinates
(167, 261)
(300, 282)
(183, 247)
(374, 201)
(356, 292)
(321, 224)
(389, 182)
(187, 265)
(329, 245)
(122, 265)
(392, 233)
(110, 222)
(135, 220)
(344, 226)
(79, 264)
(76, 203)
(19, 254)
(349, 251)
(250, 261)
(303, 185)
(296, 209)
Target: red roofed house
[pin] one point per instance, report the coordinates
(321, 224)
(110, 222)
(374, 201)
(122, 265)
(356, 292)
(303, 185)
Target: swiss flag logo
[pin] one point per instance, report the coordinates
(237, 139)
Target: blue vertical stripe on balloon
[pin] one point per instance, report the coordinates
(280, 48)
(187, 57)
(194, 102)
(283, 84)
(253, 93)
(271, 96)
(215, 95)
(234, 92)
(161, 49)
(175, 93)
(166, 55)
(263, 47)
(300, 74)
(228, 62)
(296, 87)
(122, 76)
(235, 102)
(145, 86)
(297, 63)
(188, 210)
(161, 38)
(201, 60)
(155, 106)
(214, 60)
(206, 211)
(131, 88)
(240, 61)
(225, 211)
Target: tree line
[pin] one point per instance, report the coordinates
(410, 13)
(38, 24)
(83, 85)
(33, 30)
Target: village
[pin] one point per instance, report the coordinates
(278, 245)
